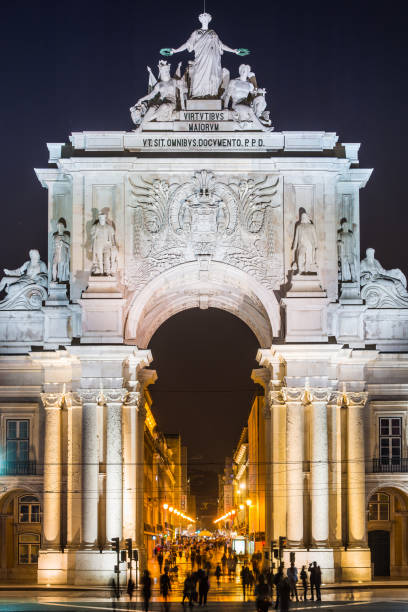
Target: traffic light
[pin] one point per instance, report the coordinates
(282, 542)
(135, 555)
(276, 553)
(115, 544)
(128, 543)
(123, 556)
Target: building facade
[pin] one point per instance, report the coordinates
(202, 205)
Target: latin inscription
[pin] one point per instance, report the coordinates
(192, 143)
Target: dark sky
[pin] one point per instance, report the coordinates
(334, 66)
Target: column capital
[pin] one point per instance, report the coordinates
(90, 396)
(52, 400)
(308, 395)
(114, 396)
(133, 398)
(355, 398)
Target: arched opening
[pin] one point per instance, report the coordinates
(213, 285)
(20, 536)
(204, 360)
(388, 531)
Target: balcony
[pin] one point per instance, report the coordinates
(18, 468)
(390, 465)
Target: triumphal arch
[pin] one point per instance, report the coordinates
(204, 203)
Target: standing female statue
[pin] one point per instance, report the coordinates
(206, 73)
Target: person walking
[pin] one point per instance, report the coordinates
(244, 580)
(277, 580)
(284, 595)
(114, 593)
(224, 562)
(218, 573)
(303, 577)
(315, 581)
(203, 588)
(292, 574)
(165, 587)
(130, 590)
(146, 589)
(262, 595)
(160, 561)
(188, 591)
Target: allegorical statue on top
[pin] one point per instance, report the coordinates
(382, 288)
(204, 78)
(206, 73)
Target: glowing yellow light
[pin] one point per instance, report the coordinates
(171, 509)
(242, 485)
(165, 506)
(241, 506)
(248, 502)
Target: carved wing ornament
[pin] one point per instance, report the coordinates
(255, 197)
(152, 197)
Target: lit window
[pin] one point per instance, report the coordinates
(379, 507)
(29, 510)
(390, 440)
(28, 548)
(17, 441)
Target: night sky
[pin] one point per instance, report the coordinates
(334, 66)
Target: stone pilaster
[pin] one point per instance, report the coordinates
(319, 468)
(51, 523)
(90, 466)
(356, 469)
(74, 458)
(114, 399)
(294, 465)
(129, 420)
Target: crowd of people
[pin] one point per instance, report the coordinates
(203, 560)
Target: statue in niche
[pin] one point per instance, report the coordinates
(186, 218)
(32, 272)
(247, 101)
(61, 253)
(104, 247)
(207, 75)
(305, 246)
(163, 98)
(372, 271)
(347, 253)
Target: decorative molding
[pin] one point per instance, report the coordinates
(91, 396)
(52, 400)
(114, 396)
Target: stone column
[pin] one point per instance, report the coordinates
(51, 521)
(129, 417)
(140, 421)
(114, 400)
(356, 469)
(319, 468)
(74, 486)
(90, 467)
(294, 466)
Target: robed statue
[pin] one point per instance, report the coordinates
(206, 73)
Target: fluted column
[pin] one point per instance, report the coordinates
(140, 421)
(319, 468)
(74, 427)
(51, 521)
(356, 469)
(114, 399)
(129, 464)
(90, 467)
(294, 466)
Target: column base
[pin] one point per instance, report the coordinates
(355, 564)
(324, 557)
(81, 567)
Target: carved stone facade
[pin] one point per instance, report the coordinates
(203, 205)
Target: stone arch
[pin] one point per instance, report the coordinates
(219, 286)
(388, 487)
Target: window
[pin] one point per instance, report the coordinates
(379, 507)
(28, 509)
(17, 441)
(28, 548)
(390, 440)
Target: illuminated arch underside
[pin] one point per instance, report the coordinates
(185, 287)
